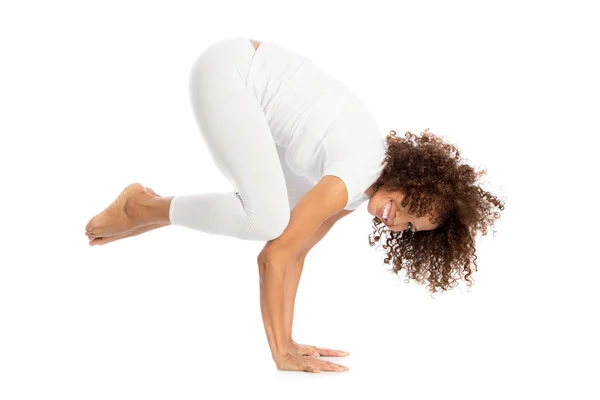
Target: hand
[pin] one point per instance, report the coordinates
(290, 362)
(305, 350)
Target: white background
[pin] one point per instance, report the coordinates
(94, 96)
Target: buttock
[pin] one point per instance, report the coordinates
(223, 62)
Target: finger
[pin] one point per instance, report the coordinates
(309, 353)
(329, 366)
(331, 353)
(315, 370)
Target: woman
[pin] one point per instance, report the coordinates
(302, 151)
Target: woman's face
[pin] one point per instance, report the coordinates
(398, 218)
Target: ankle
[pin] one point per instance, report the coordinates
(149, 209)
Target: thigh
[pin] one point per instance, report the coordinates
(235, 128)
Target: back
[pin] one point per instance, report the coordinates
(322, 125)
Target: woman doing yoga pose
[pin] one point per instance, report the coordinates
(302, 151)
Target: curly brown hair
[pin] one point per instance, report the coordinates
(432, 176)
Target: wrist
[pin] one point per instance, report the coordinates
(280, 356)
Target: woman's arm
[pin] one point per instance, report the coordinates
(326, 198)
(294, 271)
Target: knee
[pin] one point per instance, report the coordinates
(272, 227)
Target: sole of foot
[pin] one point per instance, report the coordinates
(99, 241)
(119, 217)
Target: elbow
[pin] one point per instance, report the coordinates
(271, 273)
(272, 261)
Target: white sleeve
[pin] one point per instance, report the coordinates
(345, 171)
(354, 150)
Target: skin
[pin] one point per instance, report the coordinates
(139, 209)
(255, 43)
(398, 218)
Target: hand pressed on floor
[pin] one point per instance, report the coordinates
(306, 350)
(313, 364)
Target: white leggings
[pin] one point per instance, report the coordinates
(236, 132)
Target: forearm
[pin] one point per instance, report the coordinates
(292, 279)
(272, 278)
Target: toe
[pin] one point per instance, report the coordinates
(98, 241)
(98, 224)
(93, 224)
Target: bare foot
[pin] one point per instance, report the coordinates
(99, 241)
(118, 217)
